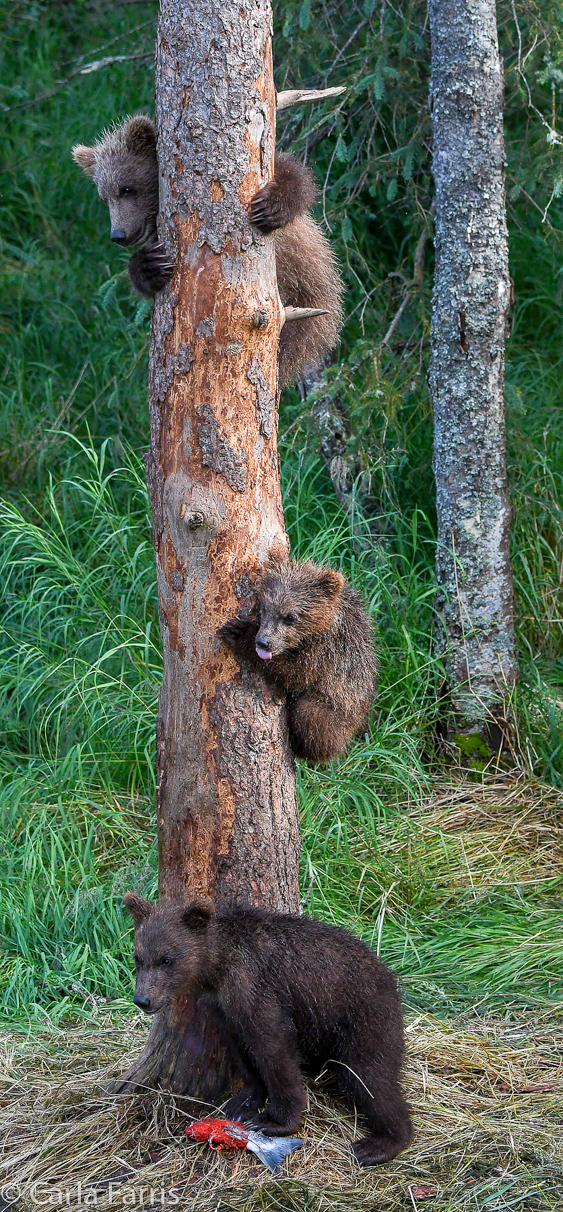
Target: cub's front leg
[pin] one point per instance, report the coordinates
(246, 1104)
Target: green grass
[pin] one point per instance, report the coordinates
(65, 865)
(75, 340)
(78, 686)
(81, 655)
(81, 660)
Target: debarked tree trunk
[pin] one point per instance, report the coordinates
(226, 799)
(469, 323)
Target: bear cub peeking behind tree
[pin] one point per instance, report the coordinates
(311, 636)
(291, 996)
(124, 166)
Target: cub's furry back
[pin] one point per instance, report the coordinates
(311, 636)
(124, 166)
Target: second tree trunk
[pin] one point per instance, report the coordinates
(469, 324)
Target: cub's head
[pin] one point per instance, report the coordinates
(124, 167)
(171, 948)
(296, 602)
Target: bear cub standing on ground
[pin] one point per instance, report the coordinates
(293, 995)
(312, 638)
(124, 166)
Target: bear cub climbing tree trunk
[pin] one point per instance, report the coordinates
(226, 800)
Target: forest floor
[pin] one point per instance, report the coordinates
(485, 1085)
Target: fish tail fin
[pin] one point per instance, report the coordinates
(273, 1149)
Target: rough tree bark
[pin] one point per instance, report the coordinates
(226, 800)
(470, 307)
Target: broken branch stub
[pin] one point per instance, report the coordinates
(303, 313)
(301, 96)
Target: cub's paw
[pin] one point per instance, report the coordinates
(244, 1105)
(236, 631)
(270, 207)
(289, 194)
(374, 1150)
(150, 269)
(284, 1126)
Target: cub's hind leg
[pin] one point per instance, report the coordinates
(317, 731)
(378, 1098)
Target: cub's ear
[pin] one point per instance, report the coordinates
(138, 907)
(275, 566)
(197, 915)
(140, 136)
(278, 557)
(85, 157)
(330, 583)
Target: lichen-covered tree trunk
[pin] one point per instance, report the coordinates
(226, 800)
(470, 308)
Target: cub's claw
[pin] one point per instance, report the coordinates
(268, 208)
(150, 269)
(289, 194)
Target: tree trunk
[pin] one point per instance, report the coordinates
(470, 307)
(226, 800)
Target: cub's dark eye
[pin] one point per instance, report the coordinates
(289, 619)
(127, 192)
(166, 961)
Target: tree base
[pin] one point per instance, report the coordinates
(186, 1055)
(477, 746)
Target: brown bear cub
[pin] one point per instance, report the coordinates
(293, 996)
(124, 166)
(311, 636)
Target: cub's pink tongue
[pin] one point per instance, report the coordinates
(263, 652)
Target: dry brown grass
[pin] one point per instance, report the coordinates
(487, 1097)
(487, 1092)
(477, 836)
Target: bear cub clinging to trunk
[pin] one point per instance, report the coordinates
(312, 638)
(292, 996)
(124, 166)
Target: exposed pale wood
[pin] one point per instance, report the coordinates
(300, 96)
(301, 313)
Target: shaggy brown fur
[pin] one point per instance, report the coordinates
(124, 166)
(307, 277)
(293, 995)
(311, 636)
